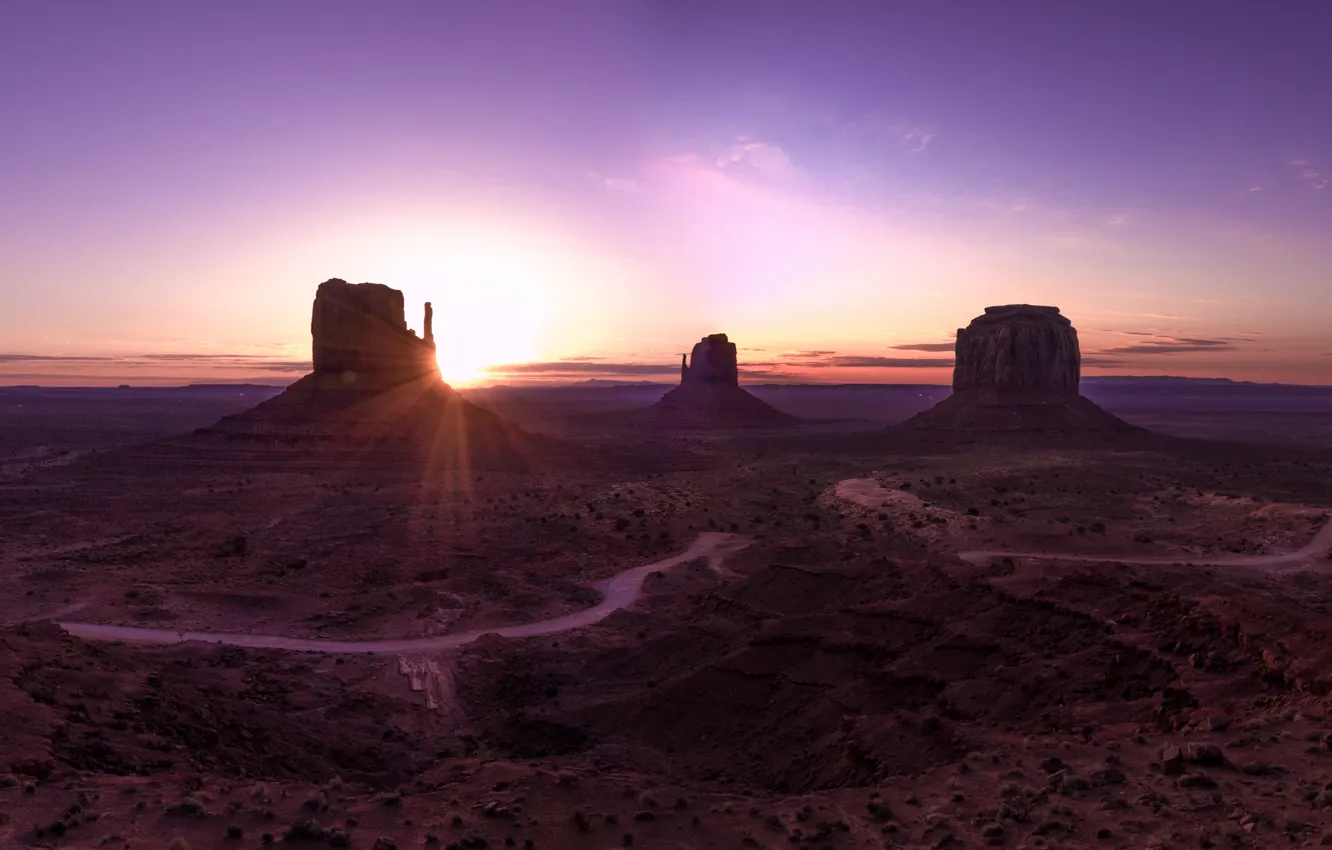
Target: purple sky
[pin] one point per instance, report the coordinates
(587, 188)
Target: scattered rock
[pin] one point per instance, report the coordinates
(1110, 776)
(1197, 780)
(1206, 754)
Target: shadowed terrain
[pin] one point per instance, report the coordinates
(852, 676)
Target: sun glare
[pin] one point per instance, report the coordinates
(487, 323)
(489, 301)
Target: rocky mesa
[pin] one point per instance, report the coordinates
(1018, 348)
(359, 333)
(1017, 370)
(375, 383)
(710, 396)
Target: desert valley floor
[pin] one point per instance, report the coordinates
(842, 639)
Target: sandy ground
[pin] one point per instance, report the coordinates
(1159, 677)
(622, 591)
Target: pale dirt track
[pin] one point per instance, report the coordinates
(869, 493)
(620, 592)
(625, 588)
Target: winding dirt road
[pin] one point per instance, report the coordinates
(869, 493)
(620, 592)
(624, 589)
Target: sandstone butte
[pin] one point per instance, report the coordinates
(1017, 370)
(359, 335)
(710, 396)
(375, 383)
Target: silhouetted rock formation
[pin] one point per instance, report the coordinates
(1018, 348)
(709, 395)
(376, 384)
(1017, 371)
(360, 334)
(713, 361)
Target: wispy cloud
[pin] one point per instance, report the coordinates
(1310, 173)
(1144, 315)
(915, 139)
(1173, 345)
(764, 158)
(579, 367)
(869, 362)
(49, 358)
(614, 184)
(805, 355)
(925, 346)
(251, 362)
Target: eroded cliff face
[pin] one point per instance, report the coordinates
(1018, 348)
(1016, 377)
(360, 332)
(713, 361)
(709, 395)
(376, 386)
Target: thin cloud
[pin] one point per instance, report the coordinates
(96, 378)
(614, 184)
(576, 367)
(1311, 175)
(762, 157)
(805, 355)
(1178, 345)
(1146, 315)
(50, 358)
(858, 362)
(916, 139)
(925, 346)
(213, 361)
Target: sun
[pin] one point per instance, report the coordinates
(488, 280)
(482, 325)
(488, 298)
